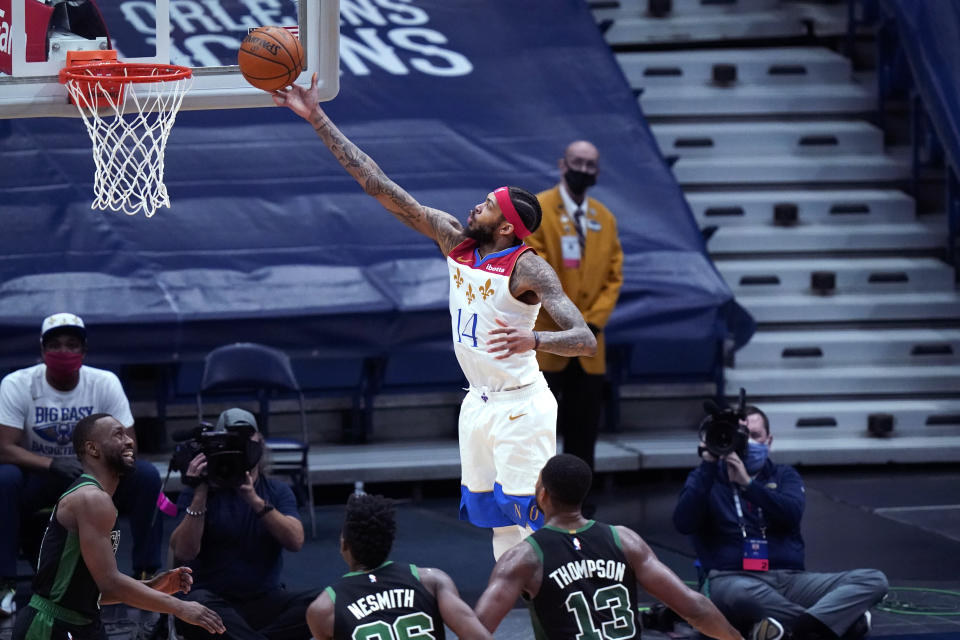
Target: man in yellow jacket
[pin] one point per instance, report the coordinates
(578, 237)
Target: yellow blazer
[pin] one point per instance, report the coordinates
(595, 285)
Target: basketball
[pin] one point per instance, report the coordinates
(270, 58)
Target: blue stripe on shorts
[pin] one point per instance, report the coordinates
(498, 509)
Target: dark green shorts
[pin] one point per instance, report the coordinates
(40, 621)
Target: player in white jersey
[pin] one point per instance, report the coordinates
(497, 286)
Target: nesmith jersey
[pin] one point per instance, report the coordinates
(387, 602)
(62, 575)
(588, 588)
(480, 293)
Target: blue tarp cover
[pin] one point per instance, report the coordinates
(269, 240)
(930, 37)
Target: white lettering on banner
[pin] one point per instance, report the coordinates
(246, 22)
(357, 12)
(142, 15)
(457, 65)
(270, 11)
(376, 51)
(191, 17)
(197, 48)
(376, 35)
(6, 33)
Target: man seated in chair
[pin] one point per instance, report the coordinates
(235, 527)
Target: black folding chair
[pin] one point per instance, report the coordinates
(247, 369)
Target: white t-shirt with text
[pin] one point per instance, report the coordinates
(48, 416)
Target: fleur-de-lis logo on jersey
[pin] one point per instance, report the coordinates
(471, 296)
(486, 290)
(458, 278)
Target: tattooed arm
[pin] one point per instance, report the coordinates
(442, 227)
(534, 279)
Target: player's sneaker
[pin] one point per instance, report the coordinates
(860, 628)
(7, 605)
(767, 629)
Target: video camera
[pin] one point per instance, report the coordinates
(721, 430)
(229, 451)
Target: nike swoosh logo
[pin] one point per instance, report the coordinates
(517, 416)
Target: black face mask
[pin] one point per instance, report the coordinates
(579, 181)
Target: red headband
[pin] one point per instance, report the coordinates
(510, 213)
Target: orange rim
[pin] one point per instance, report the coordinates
(123, 72)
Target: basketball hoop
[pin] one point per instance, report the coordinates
(129, 110)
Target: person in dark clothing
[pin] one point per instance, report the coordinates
(580, 576)
(233, 539)
(77, 571)
(379, 598)
(744, 518)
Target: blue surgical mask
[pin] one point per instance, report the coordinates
(757, 453)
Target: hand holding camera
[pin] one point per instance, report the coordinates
(196, 472)
(249, 494)
(724, 436)
(220, 457)
(722, 431)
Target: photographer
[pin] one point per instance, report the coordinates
(236, 525)
(743, 512)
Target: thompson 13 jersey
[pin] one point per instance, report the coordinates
(588, 589)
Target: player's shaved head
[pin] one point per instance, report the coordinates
(87, 431)
(566, 479)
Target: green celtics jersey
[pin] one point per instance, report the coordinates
(588, 590)
(62, 576)
(387, 603)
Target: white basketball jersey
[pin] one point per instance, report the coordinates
(479, 294)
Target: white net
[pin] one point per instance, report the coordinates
(129, 120)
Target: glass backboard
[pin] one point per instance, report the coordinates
(202, 34)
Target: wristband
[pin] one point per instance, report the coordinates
(267, 508)
(196, 514)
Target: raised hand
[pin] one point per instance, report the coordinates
(300, 100)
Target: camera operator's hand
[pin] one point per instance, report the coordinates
(197, 470)
(736, 471)
(704, 454)
(68, 468)
(249, 494)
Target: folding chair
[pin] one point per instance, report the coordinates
(250, 369)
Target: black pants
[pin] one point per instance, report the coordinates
(579, 406)
(275, 615)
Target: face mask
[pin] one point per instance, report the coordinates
(578, 181)
(62, 364)
(757, 453)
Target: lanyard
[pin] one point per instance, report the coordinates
(740, 519)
